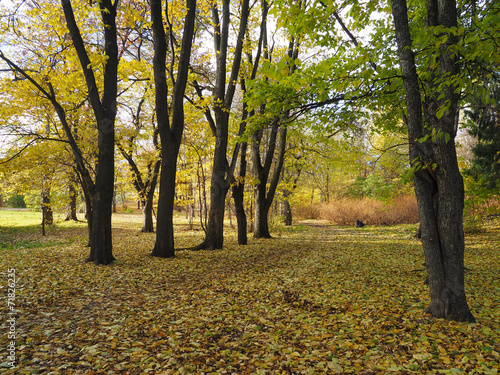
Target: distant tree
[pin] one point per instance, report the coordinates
(16, 201)
(485, 128)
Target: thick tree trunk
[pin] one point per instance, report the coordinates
(170, 134)
(218, 189)
(101, 247)
(164, 245)
(437, 179)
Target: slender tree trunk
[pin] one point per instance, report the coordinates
(261, 228)
(238, 197)
(48, 216)
(264, 196)
(437, 180)
(72, 200)
(114, 201)
(287, 212)
(147, 217)
(147, 209)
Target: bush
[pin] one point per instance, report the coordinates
(307, 211)
(402, 210)
(16, 201)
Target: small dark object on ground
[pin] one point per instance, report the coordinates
(359, 224)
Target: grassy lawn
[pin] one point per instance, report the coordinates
(314, 299)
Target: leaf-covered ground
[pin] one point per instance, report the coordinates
(315, 299)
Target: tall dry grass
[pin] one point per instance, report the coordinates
(345, 211)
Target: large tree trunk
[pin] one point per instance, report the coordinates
(437, 179)
(218, 190)
(170, 134)
(164, 245)
(101, 247)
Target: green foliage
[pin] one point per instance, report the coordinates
(485, 126)
(16, 201)
(373, 186)
(479, 199)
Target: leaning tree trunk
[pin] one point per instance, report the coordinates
(438, 183)
(103, 104)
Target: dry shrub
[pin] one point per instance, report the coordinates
(307, 211)
(345, 211)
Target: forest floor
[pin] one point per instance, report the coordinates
(315, 299)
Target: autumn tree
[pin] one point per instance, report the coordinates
(137, 136)
(99, 193)
(223, 95)
(431, 119)
(170, 128)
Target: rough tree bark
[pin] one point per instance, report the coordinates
(437, 180)
(170, 132)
